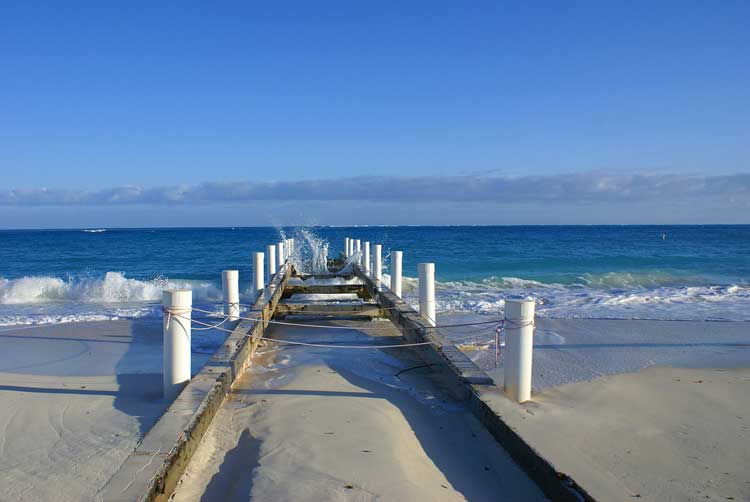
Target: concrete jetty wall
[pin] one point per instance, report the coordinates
(152, 470)
(473, 385)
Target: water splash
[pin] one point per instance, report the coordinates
(310, 252)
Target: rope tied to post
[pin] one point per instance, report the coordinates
(501, 327)
(172, 311)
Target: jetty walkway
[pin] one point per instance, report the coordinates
(330, 387)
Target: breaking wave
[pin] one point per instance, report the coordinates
(631, 299)
(52, 300)
(114, 287)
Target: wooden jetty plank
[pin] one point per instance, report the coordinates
(336, 264)
(326, 289)
(362, 309)
(306, 277)
(473, 384)
(151, 472)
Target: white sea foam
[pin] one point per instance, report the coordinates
(114, 287)
(713, 302)
(50, 300)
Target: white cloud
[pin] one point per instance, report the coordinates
(730, 191)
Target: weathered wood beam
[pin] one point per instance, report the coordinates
(365, 309)
(335, 264)
(306, 277)
(326, 289)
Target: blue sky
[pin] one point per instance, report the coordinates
(165, 99)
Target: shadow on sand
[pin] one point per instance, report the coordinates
(139, 377)
(450, 438)
(234, 481)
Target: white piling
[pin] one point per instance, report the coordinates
(366, 258)
(177, 305)
(358, 247)
(377, 264)
(396, 257)
(230, 285)
(519, 344)
(271, 261)
(258, 280)
(346, 248)
(427, 292)
(280, 257)
(351, 247)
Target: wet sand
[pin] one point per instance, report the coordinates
(332, 424)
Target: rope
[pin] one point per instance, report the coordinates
(212, 327)
(500, 327)
(284, 323)
(319, 345)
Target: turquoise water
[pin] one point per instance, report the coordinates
(657, 272)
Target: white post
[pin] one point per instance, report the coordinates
(346, 248)
(358, 246)
(258, 280)
(230, 285)
(351, 247)
(291, 246)
(377, 266)
(177, 305)
(396, 257)
(519, 343)
(280, 258)
(427, 292)
(366, 257)
(271, 261)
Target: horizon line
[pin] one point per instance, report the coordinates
(247, 227)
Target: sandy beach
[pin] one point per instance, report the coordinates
(74, 400)
(658, 434)
(363, 429)
(654, 410)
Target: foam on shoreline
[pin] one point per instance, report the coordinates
(52, 300)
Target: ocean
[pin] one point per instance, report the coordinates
(618, 272)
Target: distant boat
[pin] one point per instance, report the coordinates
(95, 230)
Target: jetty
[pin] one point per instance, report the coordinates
(284, 396)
